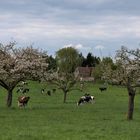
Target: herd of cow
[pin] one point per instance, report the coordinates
(87, 98)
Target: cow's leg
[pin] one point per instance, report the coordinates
(24, 105)
(80, 102)
(20, 104)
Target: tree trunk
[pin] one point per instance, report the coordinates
(65, 97)
(9, 98)
(131, 105)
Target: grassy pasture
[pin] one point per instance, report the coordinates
(47, 118)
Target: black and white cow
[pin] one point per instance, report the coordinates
(22, 90)
(102, 88)
(42, 91)
(87, 98)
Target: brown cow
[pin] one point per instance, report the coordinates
(23, 100)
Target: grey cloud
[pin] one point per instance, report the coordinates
(90, 7)
(70, 21)
(67, 11)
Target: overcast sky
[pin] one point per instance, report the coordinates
(97, 26)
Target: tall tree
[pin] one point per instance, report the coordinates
(18, 64)
(67, 61)
(126, 73)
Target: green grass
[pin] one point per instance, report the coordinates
(47, 118)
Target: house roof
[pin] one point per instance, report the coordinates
(85, 71)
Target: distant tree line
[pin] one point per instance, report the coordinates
(89, 61)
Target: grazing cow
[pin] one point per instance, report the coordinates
(25, 90)
(24, 83)
(49, 92)
(53, 90)
(23, 100)
(42, 91)
(22, 90)
(102, 88)
(85, 99)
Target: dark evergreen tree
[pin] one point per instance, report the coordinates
(90, 60)
(52, 63)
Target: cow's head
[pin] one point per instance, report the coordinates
(92, 97)
(27, 98)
